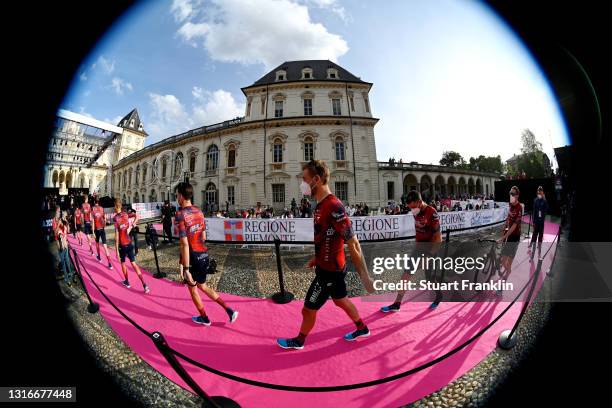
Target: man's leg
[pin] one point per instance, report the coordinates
(349, 308)
(139, 273)
(197, 301)
(395, 306)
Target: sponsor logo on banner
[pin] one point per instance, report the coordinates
(378, 227)
(481, 218)
(233, 230)
(452, 220)
(256, 229)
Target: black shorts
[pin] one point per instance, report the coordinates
(87, 228)
(324, 285)
(100, 235)
(510, 246)
(198, 265)
(126, 250)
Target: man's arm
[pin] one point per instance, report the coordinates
(359, 261)
(184, 250)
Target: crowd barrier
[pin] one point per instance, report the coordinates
(507, 339)
(374, 228)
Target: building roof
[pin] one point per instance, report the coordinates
(319, 73)
(88, 121)
(126, 121)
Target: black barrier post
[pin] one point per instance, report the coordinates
(209, 402)
(508, 338)
(92, 307)
(282, 296)
(159, 274)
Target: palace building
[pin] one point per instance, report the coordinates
(299, 111)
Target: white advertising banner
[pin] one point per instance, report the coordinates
(369, 228)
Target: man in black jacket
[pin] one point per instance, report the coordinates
(166, 212)
(540, 208)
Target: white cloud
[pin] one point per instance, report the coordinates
(169, 116)
(262, 31)
(183, 9)
(333, 6)
(83, 76)
(114, 120)
(106, 65)
(119, 85)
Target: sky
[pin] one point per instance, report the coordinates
(447, 74)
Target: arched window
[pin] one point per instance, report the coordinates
(231, 156)
(164, 165)
(212, 158)
(340, 149)
(210, 194)
(278, 151)
(308, 149)
(192, 161)
(130, 178)
(137, 174)
(124, 179)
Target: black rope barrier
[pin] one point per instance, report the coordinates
(92, 307)
(532, 280)
(160, 343)
(159, 274)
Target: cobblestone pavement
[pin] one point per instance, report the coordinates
(252, 272)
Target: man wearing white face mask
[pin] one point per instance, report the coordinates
(428, 239)
(332, 229)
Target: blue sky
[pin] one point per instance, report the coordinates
(448, 75)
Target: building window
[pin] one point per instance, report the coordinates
(210, 194)
(212, 158)
(178, 165)
(352, 102)
(390, 190)
(278, 151)
(164, 165)
(336, 107)
(366, 103)
(307, 73)
(342, 190)
(263, 105)
(340, 149)
(231, 195)
(231, 156)
(278, 193)
(308, 150)
(137, 174)
(248, 112)
(307, 107)
(278, 109)
(144, 173)
(281, 75)
(332, 73)
(192, 161)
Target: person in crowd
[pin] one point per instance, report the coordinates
(332, 230)
(99, 232)
(194, 254)
(87, 228)
(428, 240)
(167, 222)
(135, 230)
(62, 244)
(78, 223)
(512, 233)
(123, 244)
(540, 208)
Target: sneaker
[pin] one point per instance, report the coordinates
(146, 289)
(434, 305)
(201, 320)
(110, 266)
(290, 343)
(365, 332)
(98, 258)
(391, 308)
(233, 315)
(126, 283)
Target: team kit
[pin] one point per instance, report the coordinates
(332, 231)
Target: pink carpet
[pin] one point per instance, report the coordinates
(399, 341)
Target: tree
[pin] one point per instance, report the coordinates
(492, 164)
(451, 159)
(529, 142)
(532, 159)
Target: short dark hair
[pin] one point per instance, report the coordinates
(185, 189)
(318, 168)
(412, 196)
(516, 189)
